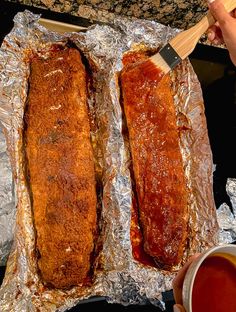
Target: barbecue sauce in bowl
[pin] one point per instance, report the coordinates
(214, 286)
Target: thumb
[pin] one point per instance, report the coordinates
(178, 308)
(219, 12)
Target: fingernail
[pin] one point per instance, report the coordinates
(210, 35)
(210, 1)
(176, 308)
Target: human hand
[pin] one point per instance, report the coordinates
(178, 285)
(224, 30)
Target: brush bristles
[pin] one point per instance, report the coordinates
(159, 62)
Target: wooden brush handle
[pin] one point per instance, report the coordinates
(185, 42)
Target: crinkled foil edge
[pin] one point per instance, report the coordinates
(7, 202)
(119, 278)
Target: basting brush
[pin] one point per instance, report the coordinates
(178, 48)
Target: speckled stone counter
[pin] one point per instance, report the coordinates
(176, 13)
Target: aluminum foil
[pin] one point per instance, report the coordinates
(7, 202)
(118, 277)
(226, 216)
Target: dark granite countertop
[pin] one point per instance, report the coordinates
(175, 13)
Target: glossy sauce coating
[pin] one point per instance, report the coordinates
(156, 160)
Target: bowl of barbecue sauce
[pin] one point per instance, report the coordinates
(210, 282)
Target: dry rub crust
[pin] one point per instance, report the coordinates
(61, 168)
(157, 162)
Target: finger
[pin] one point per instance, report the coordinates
(214, 35)
(179, 279)
(211, 33)
(177, 292)
(178, 308)
(227, 24)
(219, 12)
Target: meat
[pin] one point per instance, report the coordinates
(60, 168)
(156, 161)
